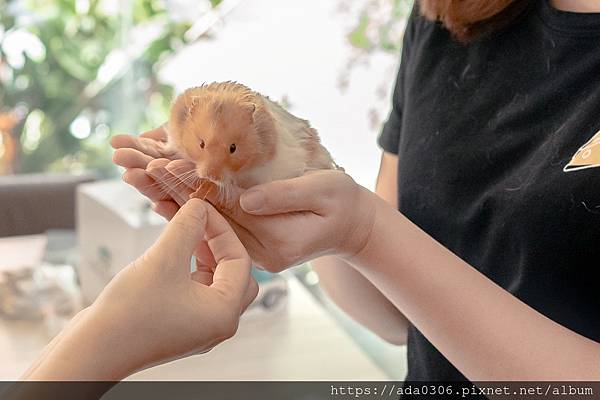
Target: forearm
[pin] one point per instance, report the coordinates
(51, 346)
(487, 333)
(362, 301)
(85, 351)
(69, 357)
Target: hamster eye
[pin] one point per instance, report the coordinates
(202, 144)
(232, 148)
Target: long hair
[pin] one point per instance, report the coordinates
(468, 20)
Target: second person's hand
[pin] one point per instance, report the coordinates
(155, 310)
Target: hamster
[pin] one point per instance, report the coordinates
(236, 136)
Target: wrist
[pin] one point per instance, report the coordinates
(361, 228)
(368, 252)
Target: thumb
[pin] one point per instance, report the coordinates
(284, 196)
(180, 238)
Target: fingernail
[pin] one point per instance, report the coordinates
(252, 200)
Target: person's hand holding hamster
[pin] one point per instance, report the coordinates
(155, 310)
(281, 223)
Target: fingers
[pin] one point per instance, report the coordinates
(284, 196)
(233, 263)
(205, 264)
(159, 133)
(203, 276)
(146, 185)
(185, 171)
(166, 209)
(204, 257)
(169, 183)
(146, 145)
(131, 158)
(208, 191)
(182, 235)
(224, 198)
(221, 238)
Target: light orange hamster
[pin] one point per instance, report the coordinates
(236, 136)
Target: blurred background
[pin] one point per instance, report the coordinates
(75, 72)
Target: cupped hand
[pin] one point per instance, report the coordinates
(287, 222)
(282, 223)
(144, 159)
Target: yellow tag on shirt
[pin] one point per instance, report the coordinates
(588, 156)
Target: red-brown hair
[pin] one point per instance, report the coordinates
(471, 19)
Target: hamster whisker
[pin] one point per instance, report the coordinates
(190, 176)
(225, 195)
(162, 190)
(176, 181)
(159, 185)
(183, 180)
(192, 182)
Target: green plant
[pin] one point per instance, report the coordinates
(73, 72)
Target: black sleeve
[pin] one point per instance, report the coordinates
(389, 138)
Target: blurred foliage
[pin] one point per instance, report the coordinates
(73, 72)
(378, 30)
(380, 25)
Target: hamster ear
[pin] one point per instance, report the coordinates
(250, 109)
(181, 109)
(182, 114)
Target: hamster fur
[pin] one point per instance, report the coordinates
(236, 136)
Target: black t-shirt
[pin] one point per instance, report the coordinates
(483, 132)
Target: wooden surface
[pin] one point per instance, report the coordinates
(299, 342)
